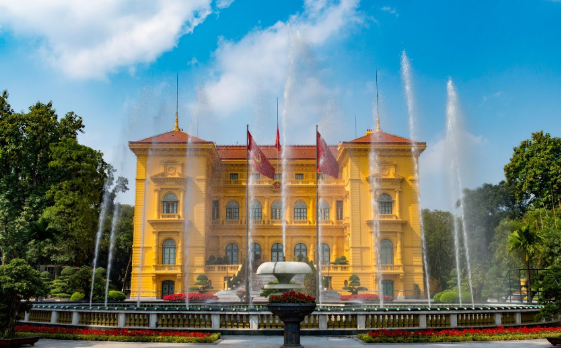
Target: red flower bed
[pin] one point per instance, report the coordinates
(366, 298)
(292, 297)
(456, 335)
(113, 332)
(193, 297)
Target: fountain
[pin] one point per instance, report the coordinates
(291, 314)
(111, 247)
(98, 235)
(408, 88)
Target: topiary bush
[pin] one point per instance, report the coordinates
(115, 296)
(436, 297)
(77, 296)
(449, 297)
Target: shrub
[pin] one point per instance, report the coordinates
(436, 297)
(193, 297)
(449, 297)
(416, 290)
(77, 296)
(366, 298)
(67, 271)
(115, 296)
(354, 285)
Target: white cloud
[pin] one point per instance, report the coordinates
(390, 10)
(224, 3)
(274, 54)
(494, 95)
(89, 39)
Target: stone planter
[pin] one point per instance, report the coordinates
(16, 342)
(291, 314)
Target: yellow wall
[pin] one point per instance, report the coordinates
(208, 179)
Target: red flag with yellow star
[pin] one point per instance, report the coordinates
(260, 162)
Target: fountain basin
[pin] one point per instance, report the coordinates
(284, 271)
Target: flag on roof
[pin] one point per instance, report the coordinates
(260, 162)
(327, 163)
(277, 141)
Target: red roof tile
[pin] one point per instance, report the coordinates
(173, 137)
(295, 152)
(383, 138)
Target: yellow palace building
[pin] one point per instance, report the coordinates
(190, 212)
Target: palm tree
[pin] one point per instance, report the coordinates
(524, 240)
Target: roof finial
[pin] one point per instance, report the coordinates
(176, 128)
(378, 129)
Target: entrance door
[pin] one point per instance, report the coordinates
(387, 287)
(168, 287)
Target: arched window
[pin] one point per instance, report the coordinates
(255, 210)
(168, 252)
(300, 211)
(325, 254)
(232, 210)
(323, 210)
(387, 287)
(232, 253)
(386, 252)
(169, 204)
(276, 253)
(300, 249)
(276, 210)
(256, 251)
(385, 203)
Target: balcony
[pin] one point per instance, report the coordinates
(391, 268)
(232, 222)
(222, 268)
(169, 216)
(300, 222)
(325, 222)
(167, 268)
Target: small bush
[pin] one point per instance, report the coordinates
(450, 297)
(67, 271)
(61, 295)
(115, 296)
(77, 296)
(436, 297)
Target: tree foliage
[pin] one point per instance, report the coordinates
(534, 171)
(439, 237)
(18, 283)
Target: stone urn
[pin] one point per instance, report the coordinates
(291, 314)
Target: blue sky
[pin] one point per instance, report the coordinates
(115, 64)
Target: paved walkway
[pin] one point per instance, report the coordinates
(276, 341)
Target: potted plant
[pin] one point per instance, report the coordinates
(292, 307)
(416, 291)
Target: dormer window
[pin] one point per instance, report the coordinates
(169, 204)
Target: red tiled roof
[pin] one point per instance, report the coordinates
(295, 152)
(173, 137)
(383, 138)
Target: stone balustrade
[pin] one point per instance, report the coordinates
(260, 318)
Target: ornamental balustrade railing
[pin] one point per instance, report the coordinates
(257, 319)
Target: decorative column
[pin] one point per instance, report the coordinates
(156, 203)
(398, 203)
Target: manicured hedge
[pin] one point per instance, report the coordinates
(459, 335)
(120, 335)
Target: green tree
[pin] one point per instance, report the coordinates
(524, 240)
(549, 283)
(534, 171)
(203, 283)
(439, 236)
(18, 283)
(60, 287)
(354, 285)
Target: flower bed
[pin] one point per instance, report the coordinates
(459, 335)
(122, 335)
(193, 297)
(292, 297)
(366, 298)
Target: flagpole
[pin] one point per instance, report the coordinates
(317, 222)
(247, 290)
